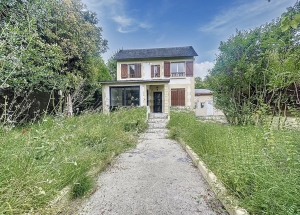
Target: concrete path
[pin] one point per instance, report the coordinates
(157, 177)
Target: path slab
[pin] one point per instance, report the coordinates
(157, 177)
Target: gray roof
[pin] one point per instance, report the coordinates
(174, 52)
(203, 91)
(164, 80)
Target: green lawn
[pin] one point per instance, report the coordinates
(39, 160)
(260, 166)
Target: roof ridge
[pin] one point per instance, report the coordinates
(157, 48)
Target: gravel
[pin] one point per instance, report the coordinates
(157, 177)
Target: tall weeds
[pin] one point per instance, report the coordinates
(259, 165)
(39, 160)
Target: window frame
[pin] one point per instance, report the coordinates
(123, 96)
(155, 71)
(178, 73)
(131, 70)
(130, 75)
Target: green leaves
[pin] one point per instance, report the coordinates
(258, 69)
(42, 41)
(287, 22)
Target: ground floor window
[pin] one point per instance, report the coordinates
(178, 97)
(124, 96)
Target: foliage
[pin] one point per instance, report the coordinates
(82, 186)
(291, 19)
(200, 84)
(257, 72)
(112, 66)
(39, 160)
(48, 46)
(258, 165)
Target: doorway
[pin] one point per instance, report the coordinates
(157, 104)
(209, 108)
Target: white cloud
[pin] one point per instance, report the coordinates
(115, 10)
(201, 69)
(248, 15)
(123, 21)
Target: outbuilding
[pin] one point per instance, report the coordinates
(204, 103)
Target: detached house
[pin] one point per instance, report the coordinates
(157, 78)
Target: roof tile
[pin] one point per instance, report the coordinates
(127, 54)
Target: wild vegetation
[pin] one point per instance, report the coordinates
(257, 72)
(256, 81)
(39, 160)
(259, 165)
(200, 83)
(49, 47)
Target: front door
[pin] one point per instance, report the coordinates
(157, 105)
(209, 108)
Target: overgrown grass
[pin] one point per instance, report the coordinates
(39, 160)
(258, 165)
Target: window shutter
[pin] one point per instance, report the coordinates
(167, 68)
(124, 71)
(152, 71)
(174, 97)
(178, 97)
(138, 70)
(158, 71)
(189, 68)
(181, 97)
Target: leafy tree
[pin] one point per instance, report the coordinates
(256, 72)
(200, 84)
(112, 66)
(291, 19)
(49, 46)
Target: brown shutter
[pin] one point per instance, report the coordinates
(158, 71)
(181, 97)
(167, 68)
(124, 71)
(174, 97)
(152, 71)
(189, 68)
(138, 70)
(178, 97)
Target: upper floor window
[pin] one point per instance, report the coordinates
(155, 71)
(177, 69)
(131, 70)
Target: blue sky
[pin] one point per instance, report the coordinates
(135, 24)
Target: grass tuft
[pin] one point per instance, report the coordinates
(258, 165)
(38, 160)
(82, 186)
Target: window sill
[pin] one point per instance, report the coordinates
(178, 77)
(131, 78)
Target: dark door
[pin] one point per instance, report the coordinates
(157, 106)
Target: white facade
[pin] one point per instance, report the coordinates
(157, 83)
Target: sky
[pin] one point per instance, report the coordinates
(203, 24)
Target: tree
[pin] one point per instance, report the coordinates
(112, 66)
(257, 72)
(49, 46)
(291, 19)
(200, 84)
